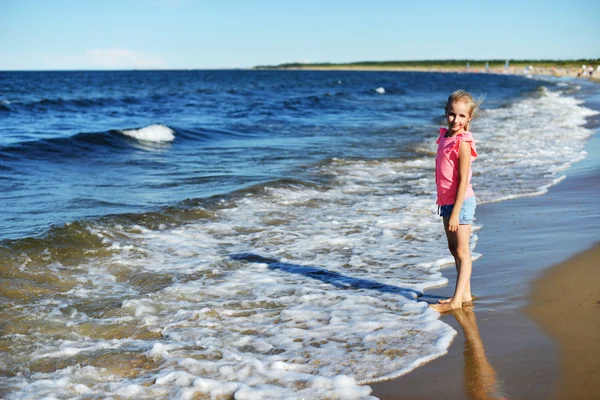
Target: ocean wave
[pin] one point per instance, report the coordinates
(310, 104)
(524, 145)
(85, 144)
(299, 286)
(75, 105)
(80, 236)
(149, 138)
(153, 133)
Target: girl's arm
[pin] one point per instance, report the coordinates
(464, 165)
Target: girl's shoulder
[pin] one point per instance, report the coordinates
(466, 136)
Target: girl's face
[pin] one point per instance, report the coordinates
(459, 116)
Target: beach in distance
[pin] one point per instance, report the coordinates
(559, 68)
(273, 234)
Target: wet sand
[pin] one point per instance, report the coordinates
(515, 343)
(566, 303)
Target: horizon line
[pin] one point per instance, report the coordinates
(323, 63)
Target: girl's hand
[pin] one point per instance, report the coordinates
(453, 223)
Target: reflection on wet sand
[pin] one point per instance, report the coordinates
(479, 375)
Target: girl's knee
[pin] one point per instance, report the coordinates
(463, 253)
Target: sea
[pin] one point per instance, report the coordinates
(247, 234)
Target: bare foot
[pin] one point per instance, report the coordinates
(465, 300)
(445, 306)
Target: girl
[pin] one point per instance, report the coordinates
(455, 196)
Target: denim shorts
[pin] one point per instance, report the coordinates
(467, 211)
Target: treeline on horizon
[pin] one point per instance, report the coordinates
(439, 63)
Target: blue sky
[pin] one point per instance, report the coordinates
(182, 34)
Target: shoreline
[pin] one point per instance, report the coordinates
(519, 69)
(518, 341)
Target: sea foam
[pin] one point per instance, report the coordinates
(523, 147)
(313, 306)
(152, 133)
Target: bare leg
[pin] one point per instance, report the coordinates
(459, 241)
(453, 246)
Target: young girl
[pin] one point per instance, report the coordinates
(455, 196)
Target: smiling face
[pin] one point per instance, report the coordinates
(458, 115)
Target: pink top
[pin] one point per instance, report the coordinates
(446, 166)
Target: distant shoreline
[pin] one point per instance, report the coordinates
(514, 67)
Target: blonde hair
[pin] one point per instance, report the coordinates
(462, 96)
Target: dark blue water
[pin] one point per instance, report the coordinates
(63, 157)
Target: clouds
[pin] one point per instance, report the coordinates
(111, 58)
(117, 58)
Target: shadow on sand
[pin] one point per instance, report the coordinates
(333, 278)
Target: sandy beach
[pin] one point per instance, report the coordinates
(533, 333)
(516, 69)
(566, 302)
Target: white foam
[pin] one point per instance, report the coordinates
(152, 133)
(522, 148)
(313, 325)
(131, 391)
